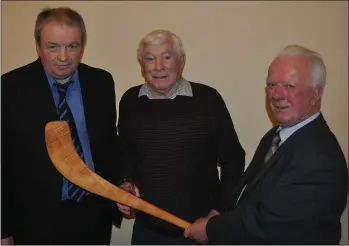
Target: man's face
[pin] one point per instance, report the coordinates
(161, 65)
(290, 94)
(60, 49)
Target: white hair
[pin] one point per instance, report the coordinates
(318, 73)
(159, 37)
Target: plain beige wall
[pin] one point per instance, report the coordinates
(229, 46)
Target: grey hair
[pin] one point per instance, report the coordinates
(62, 15)
(318, 73)
(159, 37)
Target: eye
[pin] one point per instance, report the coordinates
(148, 58)
(73, 46)
(289, 86)
(270, 84)
(167, 57)
(52, 47)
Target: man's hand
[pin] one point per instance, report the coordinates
(127, 211)
(212, 213)
(197, 231)
(7, 241)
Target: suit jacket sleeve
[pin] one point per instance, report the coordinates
(112, 150)
(231, 154)
(313, 186)
(6, 212)
(126, 162)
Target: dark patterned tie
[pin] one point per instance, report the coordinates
(65, 113)
(274, 146)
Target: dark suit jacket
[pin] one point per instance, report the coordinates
(31, 185)
(297, 197)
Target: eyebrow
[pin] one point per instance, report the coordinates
(74, 42)
(166, 51)
(282, 82)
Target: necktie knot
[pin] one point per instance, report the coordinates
(62, 88)
(275, 142)
(276, 139)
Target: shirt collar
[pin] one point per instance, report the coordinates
(181, 88)
(288, 131)
(74, 78)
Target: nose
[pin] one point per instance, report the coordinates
(278, 92)
(63, 54)
(159, 64)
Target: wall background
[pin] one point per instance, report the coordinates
(229, 46)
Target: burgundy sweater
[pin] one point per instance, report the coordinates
(171, 147)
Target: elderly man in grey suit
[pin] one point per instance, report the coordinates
(295, 189)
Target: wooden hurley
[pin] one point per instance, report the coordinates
(64, 157)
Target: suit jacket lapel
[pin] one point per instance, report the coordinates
(258, 159)
(87, 94)
(273, 159)
(256, 174)
(40, 86)
(291, 143)
(39, 96)
(254, 167)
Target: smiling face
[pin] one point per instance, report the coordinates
(290, 93)
(161, 65)
(60, 49)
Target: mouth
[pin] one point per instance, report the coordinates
(63, 66)
(280, 104)
(279, 107)
(161, 77)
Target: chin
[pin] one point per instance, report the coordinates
(163, 85)
(61, 77)
(285, 121)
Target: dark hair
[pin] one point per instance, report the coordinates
(62, 15)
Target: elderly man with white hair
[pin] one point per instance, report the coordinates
(173, 132)
(295, 189)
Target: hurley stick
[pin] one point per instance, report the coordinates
(64, 157)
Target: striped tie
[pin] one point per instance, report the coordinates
(65, 113)
(274, 146)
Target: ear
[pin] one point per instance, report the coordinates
(142, 69)
(37, 47)
(83, 46)
(182, 60)
(317, 94)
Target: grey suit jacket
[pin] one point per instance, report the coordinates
(297, 197)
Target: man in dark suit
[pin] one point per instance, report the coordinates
(295, 189)
(39, 206)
